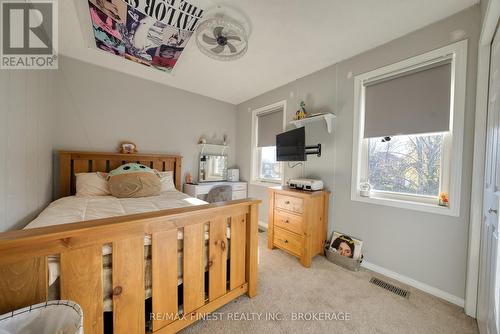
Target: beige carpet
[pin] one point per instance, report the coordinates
(286, 289)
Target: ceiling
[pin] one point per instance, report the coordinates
(289, 39)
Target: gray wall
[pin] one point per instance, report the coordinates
(86, 107)
(26, 118)
(426, 247)
(98, 107)
(318, 92)
(483, 6)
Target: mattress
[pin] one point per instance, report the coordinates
(73, 209)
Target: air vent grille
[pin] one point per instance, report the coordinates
(392, 288)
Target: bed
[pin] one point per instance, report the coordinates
(110, 254)
(72, 209)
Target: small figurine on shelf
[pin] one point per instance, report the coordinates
(443, 199)
(301, 113)
(189, 178)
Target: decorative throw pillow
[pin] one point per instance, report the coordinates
(91, 184)
(167, 181)
(134, 180)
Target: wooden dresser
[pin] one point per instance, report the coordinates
(298, 222)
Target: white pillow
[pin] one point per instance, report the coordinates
(167, 181)
(91, 184)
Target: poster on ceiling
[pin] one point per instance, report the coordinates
(149, 32)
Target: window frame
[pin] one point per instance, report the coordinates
(255, 167)
(452, 149)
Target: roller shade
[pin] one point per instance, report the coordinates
(411, 103)
(268, 126)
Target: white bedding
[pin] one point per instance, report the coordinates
(74, 209)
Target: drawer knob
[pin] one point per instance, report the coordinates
(286, 241)
(287, 202)
(286, 221)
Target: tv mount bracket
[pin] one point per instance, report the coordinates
(314, 149)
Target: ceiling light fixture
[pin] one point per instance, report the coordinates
(221, 36)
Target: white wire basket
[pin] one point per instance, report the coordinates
(52, 317)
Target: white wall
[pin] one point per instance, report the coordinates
(98, 107)
(26, 118)
(425, 247)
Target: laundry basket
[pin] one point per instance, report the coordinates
(53, 317)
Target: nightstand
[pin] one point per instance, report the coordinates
(298, 222)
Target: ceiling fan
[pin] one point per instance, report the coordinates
(222, 37)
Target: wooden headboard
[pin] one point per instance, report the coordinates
(84, 162)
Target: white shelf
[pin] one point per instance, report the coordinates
(220, 147)
(329, 117)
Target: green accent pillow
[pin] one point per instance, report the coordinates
(134, 180)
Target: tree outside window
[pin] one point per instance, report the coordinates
(406, 164)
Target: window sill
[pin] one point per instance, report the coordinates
(407, 204)
(265, 184)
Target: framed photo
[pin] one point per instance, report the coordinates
(346, 245)
(128, 147)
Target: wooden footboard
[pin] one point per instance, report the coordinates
(23, 265)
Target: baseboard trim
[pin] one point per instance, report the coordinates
(414, 283)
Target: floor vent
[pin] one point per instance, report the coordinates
(392, 288)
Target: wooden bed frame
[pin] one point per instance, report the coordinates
(72, 163)
(23, 256)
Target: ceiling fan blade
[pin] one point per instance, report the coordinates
(236, 38)
(231, 47)
(209, 40)
(218, 31)
(218, 49)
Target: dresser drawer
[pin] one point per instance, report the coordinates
(288, 241)
(239, 186)
(288, 221)
(289, 203)
(240, 194)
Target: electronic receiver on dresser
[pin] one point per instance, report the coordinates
(298, 222)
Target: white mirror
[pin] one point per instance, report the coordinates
(212, 168)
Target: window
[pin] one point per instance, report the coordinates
(267, 122)
(406, 164)
(408, 132)
(269, 168)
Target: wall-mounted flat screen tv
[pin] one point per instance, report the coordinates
(291, 145)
